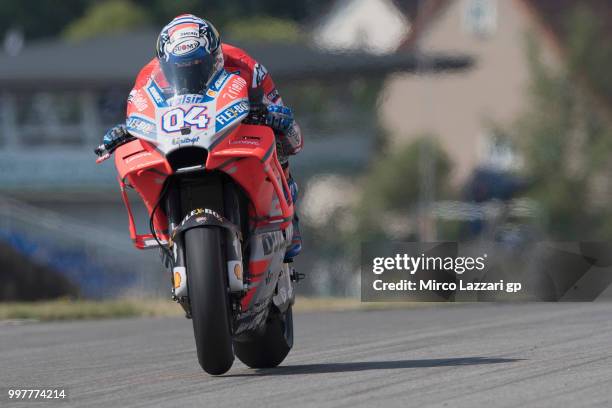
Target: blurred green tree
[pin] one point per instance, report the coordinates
(45, 19)
(262, 28)
(49, 18)
(222, 12)
(566, 133)
(393, 184)
(107, 17)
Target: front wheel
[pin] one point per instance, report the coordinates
(206, 282)
(270, 347)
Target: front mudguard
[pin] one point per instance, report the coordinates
(207, 218)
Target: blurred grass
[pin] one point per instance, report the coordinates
(86, 309)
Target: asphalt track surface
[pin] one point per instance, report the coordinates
(484, 355)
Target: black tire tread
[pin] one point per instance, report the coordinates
(208, 298)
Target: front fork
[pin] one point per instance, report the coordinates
(177, 265)
(177, 212)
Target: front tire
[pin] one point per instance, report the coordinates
(269, 348)
(206, 282)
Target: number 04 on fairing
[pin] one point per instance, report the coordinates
(221, 211)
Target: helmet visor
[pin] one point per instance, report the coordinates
(192, 76)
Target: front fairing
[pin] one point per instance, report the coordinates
(177, 121)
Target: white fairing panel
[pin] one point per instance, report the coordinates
(185, 124)
(188, 120)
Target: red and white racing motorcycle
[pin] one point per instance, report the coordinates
(221, 211)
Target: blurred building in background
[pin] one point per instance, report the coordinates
(374, 26)
(465, 111)
(495, 124)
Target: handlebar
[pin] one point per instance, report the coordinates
(257, 114)
(104, 152)
(257, 109)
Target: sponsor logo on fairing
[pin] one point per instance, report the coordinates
(272, 242)
(156, 94)
(246, 141)
(231, 114)
(184, 140)
(236, 87)
(140, 126)
(137, 156)
(186, 99)
(223, 76)
(138, 100)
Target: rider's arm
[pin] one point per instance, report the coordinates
(292, 137)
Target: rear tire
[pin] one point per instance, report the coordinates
(269, 348)
(206, 282)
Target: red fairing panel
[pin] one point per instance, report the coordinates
(248, 155)
(140, 166)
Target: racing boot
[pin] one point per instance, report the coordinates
(296, 241)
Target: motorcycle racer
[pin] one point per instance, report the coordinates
(189, 57)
